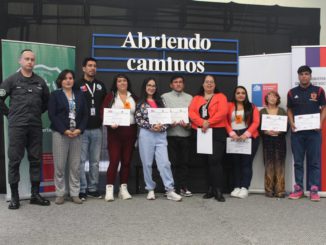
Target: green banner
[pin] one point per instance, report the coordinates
(51, 59)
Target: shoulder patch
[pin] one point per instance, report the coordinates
(2, 92)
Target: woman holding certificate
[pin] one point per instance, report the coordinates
(68, 114)
(121, 139)
(242, 126)
(274, 149)
(152, 141)
(207, 112)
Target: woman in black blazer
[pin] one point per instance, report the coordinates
(68, 115)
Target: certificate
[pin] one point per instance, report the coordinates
(179, 114)
(307, 122)
(205, 141)
(274, 123)
(238, 147)
(159, 115)
(120, 117)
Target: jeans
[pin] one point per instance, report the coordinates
(306, 142)
(155, 144)
(91, 150)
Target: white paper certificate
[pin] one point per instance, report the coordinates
(238, 147)
(179, 114)
(120, 117)
(274, 123)
(159, 115)
(307, 122)
(205, 141)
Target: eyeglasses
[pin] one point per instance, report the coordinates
(150, 85)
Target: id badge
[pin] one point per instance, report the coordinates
(93, 111)
(71, 115)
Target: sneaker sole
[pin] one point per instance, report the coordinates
(176, 200)
(186, 195)
(295, 198)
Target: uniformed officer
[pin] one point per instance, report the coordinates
(29, 96)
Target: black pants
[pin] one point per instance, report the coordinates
(179, 150)
(29, 137)
(214, 161)
(242, 165)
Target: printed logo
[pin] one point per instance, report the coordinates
(2, 92)
(313, 96)
(99, 87)
(83, 88)
(296, 97)
(257, 88)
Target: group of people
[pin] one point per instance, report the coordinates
(76, 111)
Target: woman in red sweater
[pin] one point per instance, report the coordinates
(243, 122)
(208, 109)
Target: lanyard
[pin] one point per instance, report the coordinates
(91, 92)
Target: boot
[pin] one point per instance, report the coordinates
(123, 192)
(109, 193)
(219, 195)
(209, 193)
(36, 198)
(14, 202)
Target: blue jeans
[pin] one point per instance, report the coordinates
(91, 150)
(155, 144)
(306, 142)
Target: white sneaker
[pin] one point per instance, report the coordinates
(109, 193)
(151, 195)
(235, 192)
(243, 193)
(171, 195)
(123, 192)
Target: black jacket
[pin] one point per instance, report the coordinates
(28, 99)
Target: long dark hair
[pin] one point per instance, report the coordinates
(143, 93)
(247, 106)
(201, 89)
(114, 87)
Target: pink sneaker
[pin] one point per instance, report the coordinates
(297, 193)
(314, 196)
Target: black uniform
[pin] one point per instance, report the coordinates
(28, 100)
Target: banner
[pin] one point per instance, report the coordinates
(260, 74)
(315, 57)
(51, 59)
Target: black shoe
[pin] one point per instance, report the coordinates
(219, 196)
(95, 194)
(209, 194)
(37, 199)
(82, 196)
(14, 203)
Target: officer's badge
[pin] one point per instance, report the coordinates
(2, 92)
(99, 87)
(313, 96)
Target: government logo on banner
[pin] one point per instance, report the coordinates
(259, 92)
